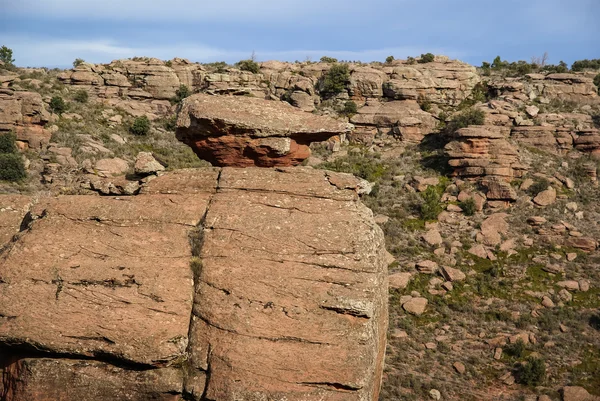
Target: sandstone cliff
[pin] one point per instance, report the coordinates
(211, 284)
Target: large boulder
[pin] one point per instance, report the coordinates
(24, 113)
(245, 131)
(210, 284)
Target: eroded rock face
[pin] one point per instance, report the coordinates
(211, 284)
(244, 131)
(24, 113)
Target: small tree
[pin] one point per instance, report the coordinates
(389, 59)
(335, 80)
(350, 108)
(532, 373)
(468, 207)
(6, 56)
(141, 126)
(81, 96)
(78, 62)
(7, 143)
(330, 60)
(58, 105)
(248, 65)
(431, 206)
(427, 58)
(411, 60)
(11, 163)
(181, 93)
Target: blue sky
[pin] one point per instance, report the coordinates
(54, 32)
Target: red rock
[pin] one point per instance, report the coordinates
(243, 131)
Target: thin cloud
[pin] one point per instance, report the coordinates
(31, 51)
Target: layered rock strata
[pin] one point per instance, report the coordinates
(211, 284)
(245, 131)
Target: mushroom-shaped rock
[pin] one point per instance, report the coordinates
(244, 131)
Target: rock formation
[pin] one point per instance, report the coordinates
(211, 284)
(25, 114)
(244, 131)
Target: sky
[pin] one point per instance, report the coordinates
(53, 33)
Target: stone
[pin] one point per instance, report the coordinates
(459, 367)
(584, 285)
(244, 131)
(570, 285)
(432, 237)
(427, 266)
(532, 111)
(181, 269)
(576, 393)
(146, 164)
(584, 244)
(479, 251)
(435, 394)
(415, 306)
(546, 197)
(110, 167)
(399, 281)
(497, 353)
(547, 302)
(452, 274)
(571, 256)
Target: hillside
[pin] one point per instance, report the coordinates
(483, 180)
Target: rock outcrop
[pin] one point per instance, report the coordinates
(245, 131)
(24, 113)
(211, 284)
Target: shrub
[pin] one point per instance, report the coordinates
(330, 60)
(58, 105)
(78, 62)
(468, 207)
(335, 80)
(464, 119)
(169, 63)
(532, 373)
(219, 66)
(81, 96)
(431, 206)
(140, 126)
(181, 94)
(517, 349)
(427, 58)
(248, 65)
(389, 59)
(411, 60)
(350, 108)
(6, 56)
(597, 82)
(7, 143)
(581, 65)
(424, 103)
(11, 167)
(362, 165)
(540, 184)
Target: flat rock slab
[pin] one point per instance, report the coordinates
(221, 284)
(245, 131)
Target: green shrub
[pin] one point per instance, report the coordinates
(411, 60)
(248, 65)
(78, 62)
(597, 82)
(539, 185)
(7, 143)
(532, 373)
(58, 105)
(389, 59)
(181, 94)
(219, 66)
(330, 60)
(6, 56)
(427, 58)
(169, 63)
(350, 108)
(81, 96)
(424, 103)
(516, 349)
(140, 126)
(468, 207)
(12, 167)
(431, 206)
(464, 119)
(362, 165)
(335, 80)
(581, 65)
